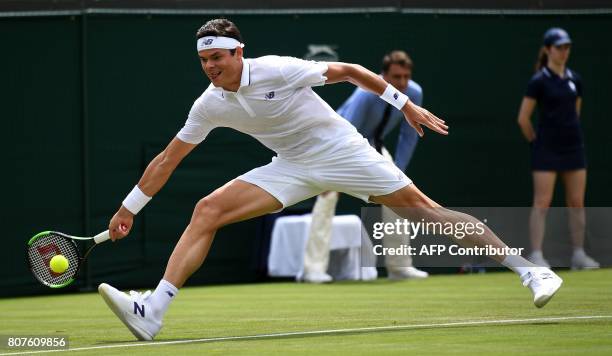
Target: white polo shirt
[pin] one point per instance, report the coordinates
(276, 105)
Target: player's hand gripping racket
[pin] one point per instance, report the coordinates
(47, 244)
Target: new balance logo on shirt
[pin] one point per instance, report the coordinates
(269, 95)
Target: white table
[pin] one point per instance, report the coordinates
(288, 245)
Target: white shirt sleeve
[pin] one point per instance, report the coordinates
(299, 73)
(197, 126)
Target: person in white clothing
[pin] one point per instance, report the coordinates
(374, 119)
(270, 98)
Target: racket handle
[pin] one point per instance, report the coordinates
(101, 237)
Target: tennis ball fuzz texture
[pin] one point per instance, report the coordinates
(59, 264)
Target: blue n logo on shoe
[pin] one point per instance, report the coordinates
(139, 309)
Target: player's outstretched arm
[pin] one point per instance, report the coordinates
(155, 176)
(367, 80)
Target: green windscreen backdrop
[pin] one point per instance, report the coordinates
(87, 102)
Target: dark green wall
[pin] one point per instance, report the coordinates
(141, 74)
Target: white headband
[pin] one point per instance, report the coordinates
(209, 42)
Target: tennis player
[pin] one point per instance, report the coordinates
(271, 99)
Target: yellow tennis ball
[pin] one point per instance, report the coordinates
(59, 264)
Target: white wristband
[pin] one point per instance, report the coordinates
(136, 200)
(394, 97)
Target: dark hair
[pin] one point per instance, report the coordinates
(396, 57)
(542, 58)
(220, 27)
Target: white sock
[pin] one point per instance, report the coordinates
(161, 298)
(537, 254)
(518, 264)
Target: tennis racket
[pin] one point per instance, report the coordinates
(43, 246)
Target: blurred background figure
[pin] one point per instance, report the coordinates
(557, 146)
(374, 119)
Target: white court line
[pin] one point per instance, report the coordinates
(325, 332)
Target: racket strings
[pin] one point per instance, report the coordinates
(43, 249)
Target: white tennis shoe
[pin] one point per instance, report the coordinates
(543, 283)
(584, 261)
(400, 273)
(133, 310)
(316, 277)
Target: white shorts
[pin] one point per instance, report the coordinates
(357, 170)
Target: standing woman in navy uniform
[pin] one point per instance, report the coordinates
(557, 146)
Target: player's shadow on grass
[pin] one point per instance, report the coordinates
(323, 333)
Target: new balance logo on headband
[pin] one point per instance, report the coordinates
(210, 42)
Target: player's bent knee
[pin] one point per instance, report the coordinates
(206, 214)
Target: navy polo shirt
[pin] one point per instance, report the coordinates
(558, 125)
